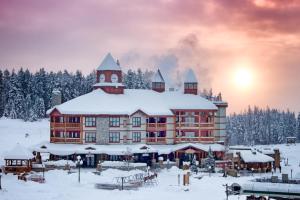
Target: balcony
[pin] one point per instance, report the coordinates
(194, 139)
(183, 125)
(64, 140)
(65, 125)
(156, 140)
(156, 126)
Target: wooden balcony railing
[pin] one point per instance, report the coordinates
(194, 139)
(63, 125)
(65, 140)
(194, 125)
(156, 126)
(157, 140)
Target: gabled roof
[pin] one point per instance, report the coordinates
(190, 77)
(109, 63)
(19, 152)
(158, 78)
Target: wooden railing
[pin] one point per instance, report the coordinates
(194, 125)
(194, 139)
(158, 140)
(156, 126)
(65, 140)
(63, 125)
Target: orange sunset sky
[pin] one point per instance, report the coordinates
(247, 49)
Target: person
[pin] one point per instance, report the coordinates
(274, 167)
(279, 168)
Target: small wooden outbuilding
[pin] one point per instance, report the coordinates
(18, 160)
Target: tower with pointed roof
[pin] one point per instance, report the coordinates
(158, 82)
(190, 83)
(109, 76)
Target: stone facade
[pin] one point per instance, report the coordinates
(102, 130)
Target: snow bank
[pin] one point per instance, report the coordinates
(60, 163)
(122, 164)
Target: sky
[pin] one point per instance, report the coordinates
(249, 50)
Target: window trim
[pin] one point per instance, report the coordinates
(112, 139)
(114, 121)
(136, 137)
(89, 120)
(90, 137)
(136, 122)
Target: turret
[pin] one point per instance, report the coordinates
(158, 82)
(109, 76)
(190, 83)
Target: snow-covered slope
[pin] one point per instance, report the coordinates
(13, 131)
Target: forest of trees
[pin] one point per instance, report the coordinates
(262, 126)
(27, 96)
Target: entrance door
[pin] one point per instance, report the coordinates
(90, 160)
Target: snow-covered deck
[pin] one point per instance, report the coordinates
(121, 149)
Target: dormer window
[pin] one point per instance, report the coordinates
(114, 78)
(102, 78)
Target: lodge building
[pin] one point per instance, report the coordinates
(114, 115)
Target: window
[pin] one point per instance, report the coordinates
(190, 85)
(161, 134)
(162, 120)
(90, 121)
(190, 119)
(136, 122)
(59, 134)
(57, 119)
(114, 121)
(158, 85)
(74, 119)
(136, 137)
(114, 137)
(90, 137)
(151, 134)
(189, 134)
(73, 134)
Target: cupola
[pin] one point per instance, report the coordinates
(109, 76)
(158, 82)
(190, 83)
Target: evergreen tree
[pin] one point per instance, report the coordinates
(1, 94)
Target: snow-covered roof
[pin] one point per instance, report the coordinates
(109, 63)
(147, 101)
(275, 189)
(190, 77)
(69, 149)
(158, 78)
(18, 152)
(118, 149)
(166, 149)
(250, 156)
(109, 84)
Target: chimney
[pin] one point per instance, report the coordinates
(56, 98)
(158, 82)
(190, 83)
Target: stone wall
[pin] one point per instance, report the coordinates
(102, 133)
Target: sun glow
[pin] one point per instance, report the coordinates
(243, 78)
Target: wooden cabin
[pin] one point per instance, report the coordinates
(18, 160)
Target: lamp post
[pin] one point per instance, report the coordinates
(0, 178)
(79, 162)
(43, 166)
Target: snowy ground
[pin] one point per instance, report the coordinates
(61, 185)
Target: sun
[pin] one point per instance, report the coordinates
(243, 77)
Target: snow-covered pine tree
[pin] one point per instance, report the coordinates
(15, 103)
(1, 94)
(39, 108)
